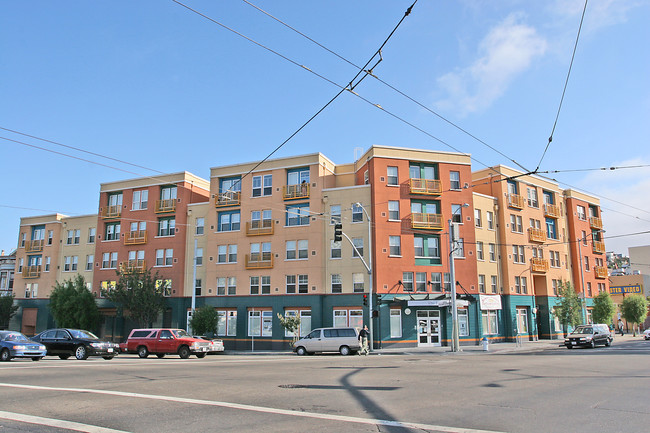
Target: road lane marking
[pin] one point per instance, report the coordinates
(252, 408)
(59, 423)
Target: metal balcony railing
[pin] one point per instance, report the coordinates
(425, 186)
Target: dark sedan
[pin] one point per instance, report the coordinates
(65, 343)
(16, 345)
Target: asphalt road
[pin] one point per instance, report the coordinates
(549, 390)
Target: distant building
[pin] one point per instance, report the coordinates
(7, 267)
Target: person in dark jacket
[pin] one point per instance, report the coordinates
(363, 338)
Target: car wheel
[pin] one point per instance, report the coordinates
(66, 356)
(593, 344)
(608, 342)
(160, 355)
(344, 350)
(301, 351)
(81, 353)
(200, 355)
(5, 355)
(37, 358)
(108, 358)
(184, 352)
(143, 352)
(569, 346)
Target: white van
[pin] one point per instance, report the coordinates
(342, 340)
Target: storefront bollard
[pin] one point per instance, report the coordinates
(486, 344)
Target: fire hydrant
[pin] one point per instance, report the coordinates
(485, 343)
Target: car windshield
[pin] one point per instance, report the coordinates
(14, 336)
(179, 333)
(585, 330)
(76, 333)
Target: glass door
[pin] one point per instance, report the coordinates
(428, 328)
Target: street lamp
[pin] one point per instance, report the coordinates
(455, 343)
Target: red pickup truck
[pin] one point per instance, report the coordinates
(163, 341)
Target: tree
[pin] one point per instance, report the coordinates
(291, 324)
(604, 309)
(569, 309)
(634, 309)
(73, 305)
(7, 310)
(204, 320)
(139, 295)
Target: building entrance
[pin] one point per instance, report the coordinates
(428, 328)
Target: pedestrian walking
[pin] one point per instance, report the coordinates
(620, 326)
(363, 339)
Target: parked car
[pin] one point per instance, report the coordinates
(16, 345)
(646, 334)
(342, 340)
(589, 336)
(163, 341)
(65, 343)
(216, 344)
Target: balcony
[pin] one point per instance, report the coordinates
(113, 211)
(598, 247)
(516, 201)
(295, 192)
(228, 198)
(425, 186)
(259, 261)
(136, 238)
(536, 235)
(538, 265)
(259, 228)
(33, 271)
(165, 206)
(431, 221)
(596, 223)
(552, 211)
(34, 246)
(600, 272)
(138, 265)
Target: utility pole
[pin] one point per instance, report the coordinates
(454, 311)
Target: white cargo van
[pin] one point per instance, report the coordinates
(342, 340)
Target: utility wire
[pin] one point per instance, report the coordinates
(566, 83)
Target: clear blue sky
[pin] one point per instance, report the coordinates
(154, 84)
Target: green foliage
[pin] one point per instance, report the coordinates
(7, 310)
(569, 310)
(138, 296)
(634, 309)
(604, 309)
(204, 321)
(291, 324)
(73, 305)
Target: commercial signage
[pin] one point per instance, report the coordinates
(619, 290)
(490, 302)
(437, 303)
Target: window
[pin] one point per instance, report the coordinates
(291, 283)
(348, 318)
(489, 216)
(489, 322)
(109, 260)
(516, 223)
(229, 221)
(227, 253)
(112, 231)
(260, 323)
(420, 281)
(493, 284)
(303, 284)
(357, 282)
(459, 250)
(298, 176)
(395, 323)
(140, 199)
(518, 255)
(518, 285)
(457, 213)
(589, 293)
(551, 231)
(335, 214)
(391, 175)
(479, 250)
(493, 252)
(522, 320)
(357, 213)
(254, 285)
(481, 283)
(366, 178)
(297, 250)
(524, 286)
(261, 252)
(164, 257)
(454, 179)
(335, 249)
(91, 236)
(436, 281)
(232, 285)
(584, 238)
(555, 285)
(298, 215)
(358, 243)
(199, 257)
(532, 197)
(200, 226)
(166, 226)
(198, 287)
(555, 259)
(395, 245)
(262, 185)
(47, 264)
(393, 210)
(221, 286)
(227, 323)
(70, 263)
(477, 218)
(463, 322)
(582, 215)
(447, 282)
(168, 192)
(427, 247)
(587, 263)
(266, 285)
(407, 281)
(337, 285)
(90, 258)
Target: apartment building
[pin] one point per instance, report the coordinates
(7, 269)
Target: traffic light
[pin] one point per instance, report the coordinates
(338, 232)
(365, 300)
